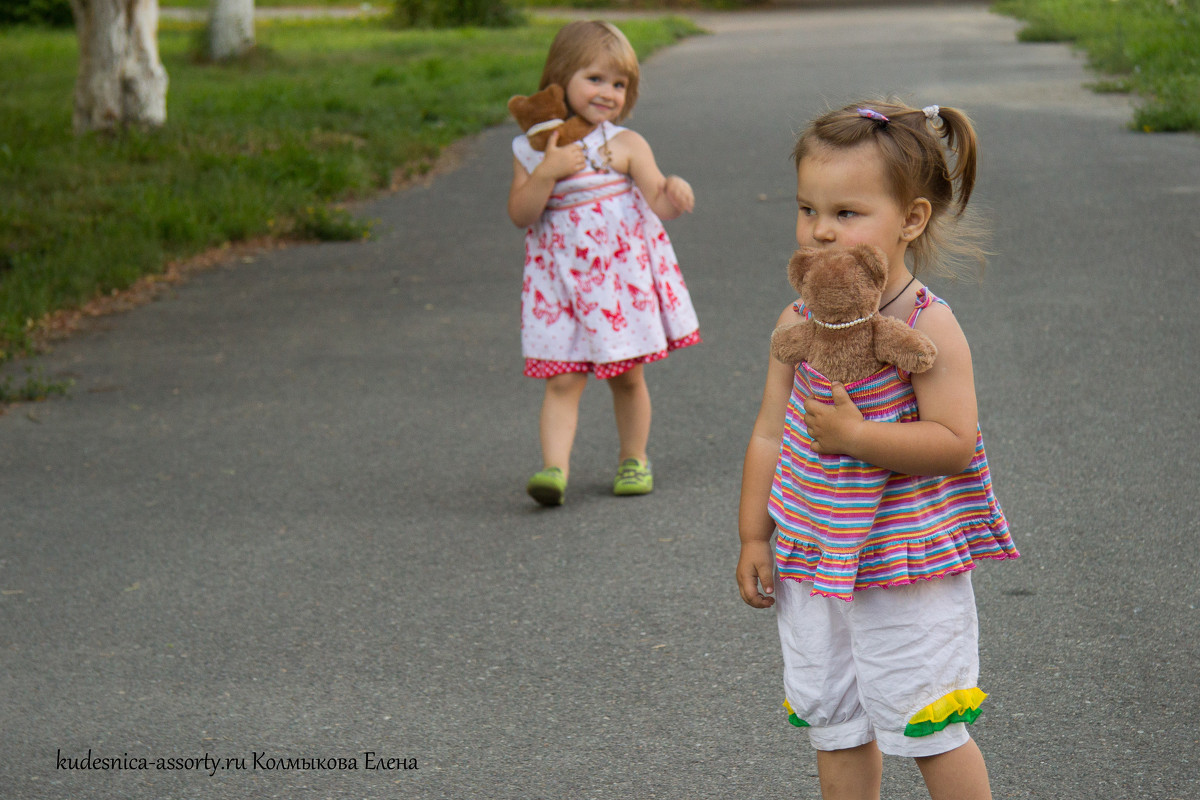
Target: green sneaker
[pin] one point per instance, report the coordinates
(548, 487)
(633, 477)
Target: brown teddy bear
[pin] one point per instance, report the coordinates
(846, 338)
(542, 113)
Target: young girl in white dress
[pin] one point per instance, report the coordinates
(602, 290)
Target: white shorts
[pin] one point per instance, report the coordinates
(897, 666)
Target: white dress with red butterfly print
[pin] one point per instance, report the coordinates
(603, 290)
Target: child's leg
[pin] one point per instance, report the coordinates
(957, 775)
(560, 416)
(852, 774)
(631, 405)
(822, 690)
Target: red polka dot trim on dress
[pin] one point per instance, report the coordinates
(540, 368)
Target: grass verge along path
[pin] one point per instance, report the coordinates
(1150, 48)
(323, 111)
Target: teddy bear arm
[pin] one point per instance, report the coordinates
(790, 344)
(908, 349)
(539, 140)
(573, 130)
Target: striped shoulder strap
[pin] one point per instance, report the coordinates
(925, 299)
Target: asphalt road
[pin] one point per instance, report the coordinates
(281, 515)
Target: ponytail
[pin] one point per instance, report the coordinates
(931, 153)
(959, 134)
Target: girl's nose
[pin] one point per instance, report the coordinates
(822, 231)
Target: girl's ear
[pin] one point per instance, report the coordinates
(919, 213)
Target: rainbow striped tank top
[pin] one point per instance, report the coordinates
(847, 525)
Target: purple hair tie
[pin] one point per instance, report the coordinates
(872, 114)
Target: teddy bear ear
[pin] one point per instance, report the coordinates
(874, 260)
(556, 92)
(516, 103)
(801, 262)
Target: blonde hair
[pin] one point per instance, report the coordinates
(914, 150)
(578, 44)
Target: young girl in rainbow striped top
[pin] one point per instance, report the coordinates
(880, 639)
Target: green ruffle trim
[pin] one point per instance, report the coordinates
(792, 718)
(960, 706)
(926, 728)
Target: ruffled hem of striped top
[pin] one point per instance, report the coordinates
(886, 564)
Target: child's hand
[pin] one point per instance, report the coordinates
(561, 162)
(679, 192)
(832, 428)
(756, 566)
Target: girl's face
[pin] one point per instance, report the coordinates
(845, 200)
(597, 92)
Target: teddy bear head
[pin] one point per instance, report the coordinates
(839, 285)
(542, 113)
(845, 338)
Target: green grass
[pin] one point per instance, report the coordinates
(1148, 47)
(322, 112)
(656, 5)
(207, 4)
(638, 5)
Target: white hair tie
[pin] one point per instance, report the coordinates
(932, 115)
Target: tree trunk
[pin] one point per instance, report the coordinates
(121, 79)
(230, 29)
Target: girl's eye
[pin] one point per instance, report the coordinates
(619, 85)
(806, 211)
(844, 214)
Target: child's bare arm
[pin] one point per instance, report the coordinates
(668, 195)
(942, 442)
(530, 192)
(756, 563)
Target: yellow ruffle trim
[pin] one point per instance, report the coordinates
(958, 706)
